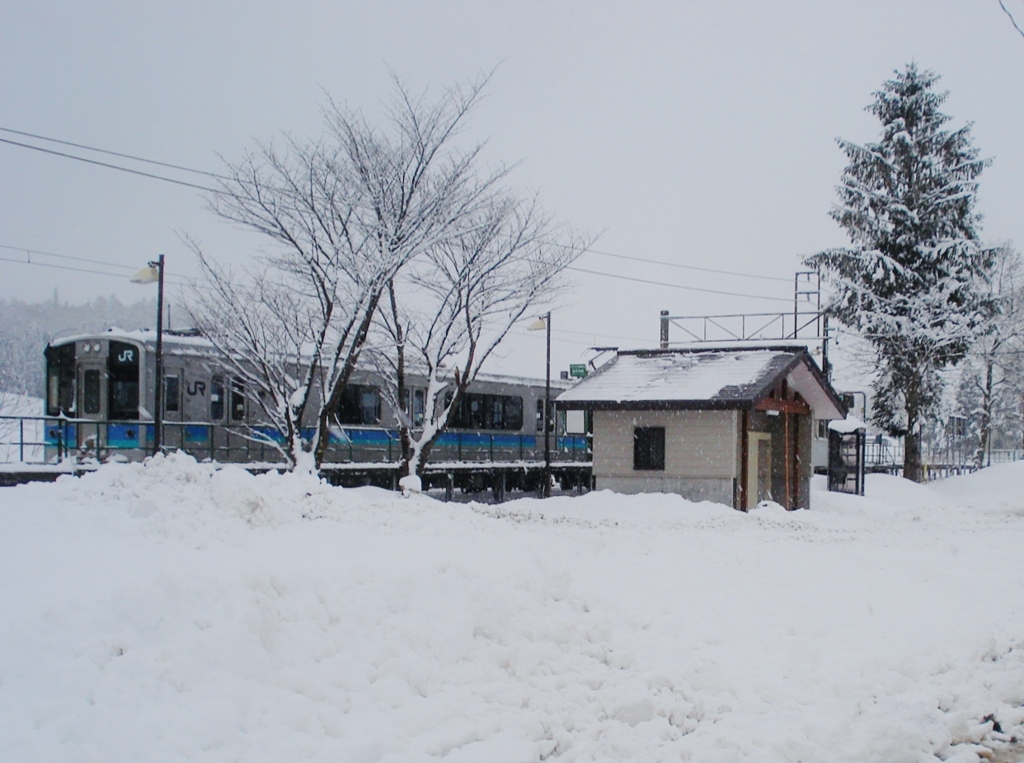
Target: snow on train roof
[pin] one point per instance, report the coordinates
(143, 336)
(684, 376)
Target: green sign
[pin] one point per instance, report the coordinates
(577, 370)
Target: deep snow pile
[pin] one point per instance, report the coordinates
(172, 612)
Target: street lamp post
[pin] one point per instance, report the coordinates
(155, 272)
(544, 322)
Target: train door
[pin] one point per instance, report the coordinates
(174, 383)
(124, 365)
(92, 392)
(195, 408)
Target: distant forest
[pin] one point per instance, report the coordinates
(26, 328)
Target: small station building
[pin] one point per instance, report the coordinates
(728, 425)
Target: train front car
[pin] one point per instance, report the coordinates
(93, 389)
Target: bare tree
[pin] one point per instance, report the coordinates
(447, 313)
(1012, 19)
(345, 215)
(262, 328)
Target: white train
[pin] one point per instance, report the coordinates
(100, 391)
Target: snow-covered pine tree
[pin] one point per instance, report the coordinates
(913, 281)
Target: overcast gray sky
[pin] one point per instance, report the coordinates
(698, 133)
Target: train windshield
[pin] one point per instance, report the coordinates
(123, 368)
(60, 380)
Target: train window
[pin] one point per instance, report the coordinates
(513, 412)
(60, 380)
(477, 411)
(414, 405)
(91, 391)
(369, 405)
(540, 415)
(123, 381)
(237, 399)
(419, 406)
(360, 404)
(217, 398)
(497, 406)
(172, 393)
(124, 399)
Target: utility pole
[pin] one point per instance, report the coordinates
(154, 271)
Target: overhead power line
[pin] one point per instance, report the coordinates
(688, 267)
(64, 155)
(678, 286)
(29, 252)
(171, 279)
(206, 173)
(174, 281)
(593, 334)
(113, 153)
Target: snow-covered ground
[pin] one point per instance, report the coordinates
(167, 612)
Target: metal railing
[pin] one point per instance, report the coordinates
(45, 439)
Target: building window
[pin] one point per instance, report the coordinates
(822, 433)
(649, 449)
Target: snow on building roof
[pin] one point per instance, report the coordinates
(700, 379)
(847, 426)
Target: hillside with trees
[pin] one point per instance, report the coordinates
(26, 328)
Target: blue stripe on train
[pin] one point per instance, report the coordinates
(484, 440)
(373, 437)
(122, 436)
(270, 434)
(197, 434)
(58, 432)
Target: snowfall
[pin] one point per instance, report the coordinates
(170, 611)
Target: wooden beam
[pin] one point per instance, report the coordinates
(783, 406)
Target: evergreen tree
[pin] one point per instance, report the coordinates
(913, 281)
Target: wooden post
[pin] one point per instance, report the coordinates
(787, 457)
(744, 458)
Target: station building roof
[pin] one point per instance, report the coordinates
(702, 379)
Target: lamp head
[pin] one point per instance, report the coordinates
(148, 274)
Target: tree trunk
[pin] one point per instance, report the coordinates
(405, 442)
(985, 435)
(912, 468)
